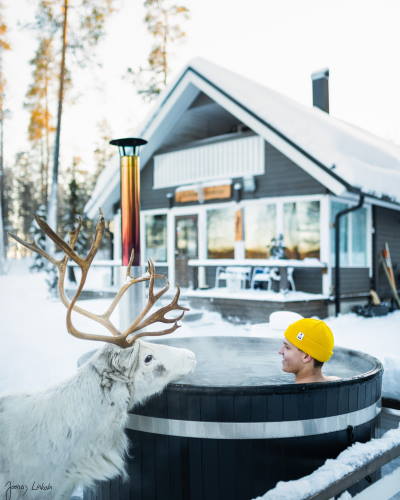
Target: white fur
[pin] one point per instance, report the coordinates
(73, 433)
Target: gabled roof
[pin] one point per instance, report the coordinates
(340, 156)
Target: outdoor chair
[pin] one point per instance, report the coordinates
(289, 270)
(290, 279)
(265, 275)
(261, 275)
(220, 275)
(232, 272)
(241, 273)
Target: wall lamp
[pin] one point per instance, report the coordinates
(237, 191)
(170, 199)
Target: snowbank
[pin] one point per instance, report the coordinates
(349, 460)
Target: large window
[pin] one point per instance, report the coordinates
(353, 236)
(156, 237)
(220, 233)
(259, 229)
(301, 229)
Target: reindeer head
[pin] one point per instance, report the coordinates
(144, 367)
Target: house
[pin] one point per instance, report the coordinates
(231, 164)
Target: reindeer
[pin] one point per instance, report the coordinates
(73, 434)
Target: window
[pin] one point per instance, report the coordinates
(301, 229)
(259, 229)
(156, 237)
(353, 236)
(220, 233)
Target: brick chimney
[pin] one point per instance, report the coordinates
(320, 89)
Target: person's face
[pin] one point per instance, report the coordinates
(292, 358)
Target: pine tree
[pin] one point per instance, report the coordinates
(39, 263)
(74, 27)
(40, 127)
(25, 193)
(75, 193)
(162, 20)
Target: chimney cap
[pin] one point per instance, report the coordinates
(322, 73)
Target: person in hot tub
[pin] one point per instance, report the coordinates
(308, 344)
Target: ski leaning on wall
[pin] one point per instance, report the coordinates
(386, 261)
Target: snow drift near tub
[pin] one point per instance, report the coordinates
(332, 470)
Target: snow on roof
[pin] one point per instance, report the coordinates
(343, 153)
(361, 159)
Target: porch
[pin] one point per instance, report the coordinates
(255, 306)
(242, 298)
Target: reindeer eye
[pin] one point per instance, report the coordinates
(148, 358)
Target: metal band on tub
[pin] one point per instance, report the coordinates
(252, 430)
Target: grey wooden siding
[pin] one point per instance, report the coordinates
(387, 229)
(149, 197)
(282, 178)
(353, 281)
(308, 280)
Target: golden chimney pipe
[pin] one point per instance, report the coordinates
(130, 196)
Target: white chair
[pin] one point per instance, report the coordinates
(290, 279)
(261, 275)
(220, 275)
(240, 273)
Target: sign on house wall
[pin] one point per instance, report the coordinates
(186, 196)
(203, 192)
(217, 192)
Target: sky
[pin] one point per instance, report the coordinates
(278, 43)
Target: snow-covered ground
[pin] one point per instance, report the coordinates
(36, 350)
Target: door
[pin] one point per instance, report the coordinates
(186, 247)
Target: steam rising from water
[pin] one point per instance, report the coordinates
(246, 361)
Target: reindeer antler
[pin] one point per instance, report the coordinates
(120, 338)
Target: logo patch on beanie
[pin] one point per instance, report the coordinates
(300, 336)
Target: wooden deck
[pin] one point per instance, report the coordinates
(255, 306)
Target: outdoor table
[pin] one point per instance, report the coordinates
(282, 264)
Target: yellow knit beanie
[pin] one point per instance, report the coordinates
(312, 336)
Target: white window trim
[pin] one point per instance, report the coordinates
(201, 212)
(352, 202)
